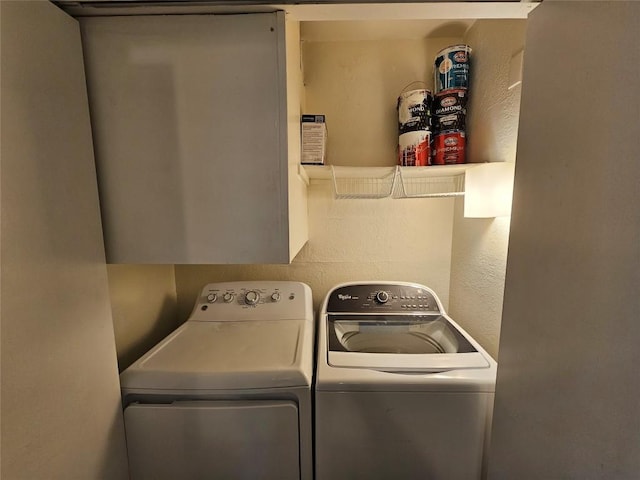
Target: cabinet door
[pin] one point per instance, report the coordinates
(189, 120)
(568, 384)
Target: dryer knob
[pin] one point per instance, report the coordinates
(252, 297)
(212, 297)
(382, 297)
(275, 297)
(228, 297)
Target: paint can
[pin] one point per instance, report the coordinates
(414, 110)
(450, 101)
(455, 121)
(414, 149)
(450, 109)
(449, 147)
(452, 67)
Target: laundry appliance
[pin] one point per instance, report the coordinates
(228, 394)
(401, 390)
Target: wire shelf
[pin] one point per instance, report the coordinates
(429, 182)
(372, 182)
(397, 182)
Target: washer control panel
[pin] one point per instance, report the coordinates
(383, 298)
(252, 300)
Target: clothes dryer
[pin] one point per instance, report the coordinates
(228, 394)
(401, 391)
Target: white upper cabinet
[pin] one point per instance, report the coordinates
(195, 124)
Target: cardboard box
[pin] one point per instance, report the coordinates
(314, 139)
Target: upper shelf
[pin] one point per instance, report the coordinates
(307, 10)
(396, 182)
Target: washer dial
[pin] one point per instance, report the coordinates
(382, 297)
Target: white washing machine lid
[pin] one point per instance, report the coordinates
(400, 343)
(408, 362)
(223, 355)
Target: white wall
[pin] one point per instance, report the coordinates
(350, 240)
(61, 410)
(479, 251)
(356, 84)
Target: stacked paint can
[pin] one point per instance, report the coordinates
(450, 105)
(414, 127)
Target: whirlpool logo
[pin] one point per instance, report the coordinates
(341, 296)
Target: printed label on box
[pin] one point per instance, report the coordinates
(314, 139)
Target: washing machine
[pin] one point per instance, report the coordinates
(401, 390)
(228, 394)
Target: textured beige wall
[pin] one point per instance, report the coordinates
(350, 240)
(568, 387)
(479, 250)
(356, 85)
(143, 301)
(61, 410)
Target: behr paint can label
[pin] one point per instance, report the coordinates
(449, 148)
(414, 149)
(414, 110)
(452, 67)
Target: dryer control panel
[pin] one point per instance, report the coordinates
(258, 300)
(383, 298)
